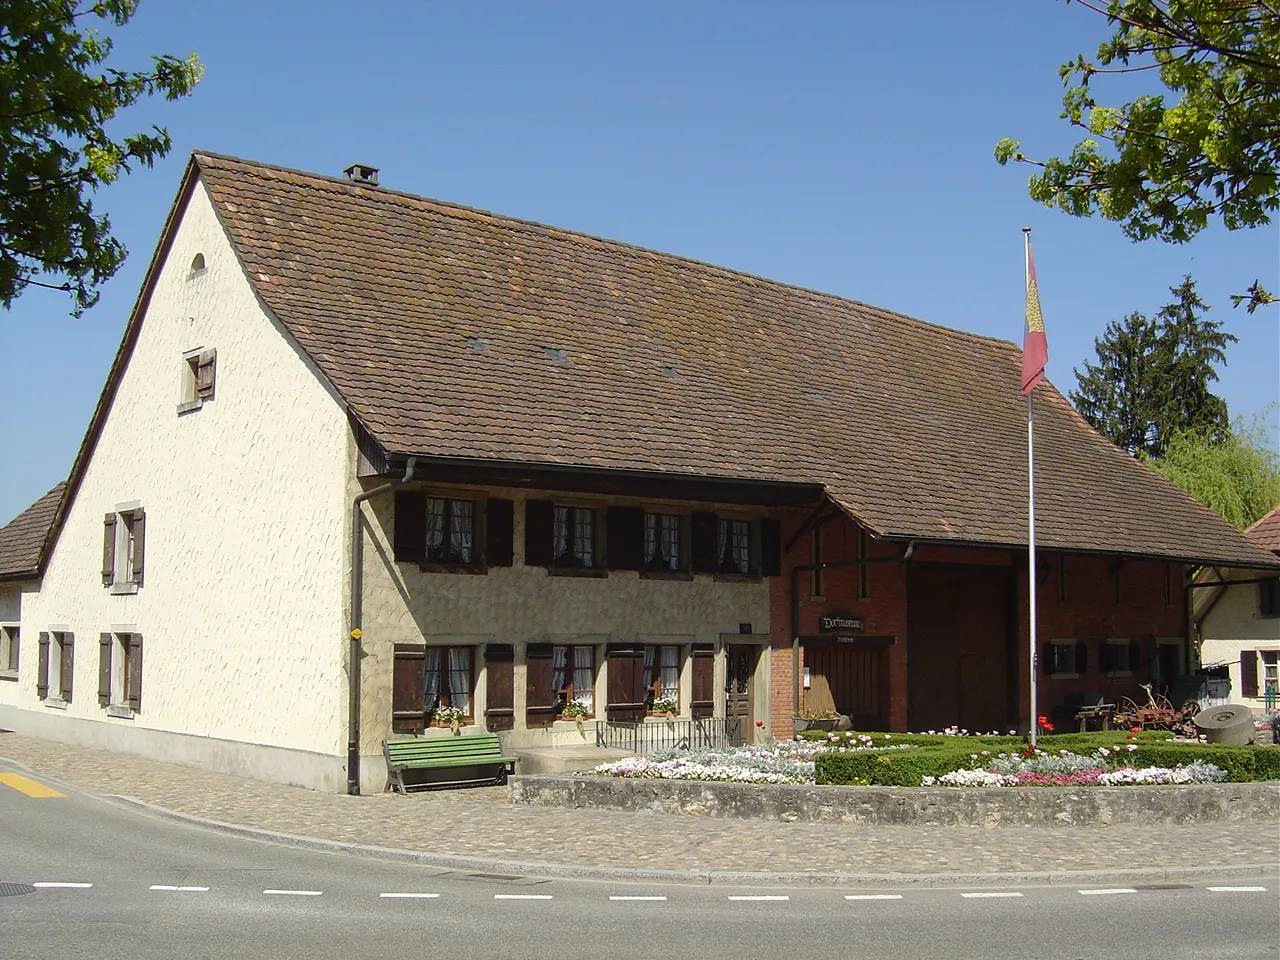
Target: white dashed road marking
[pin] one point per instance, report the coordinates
(410, 896)
(873, 896)
(54, 885)
(168, 889)
(522, 896)
(759, 899)
(1101, 893)
(292, 893)
(990, 896)
(1210, 889)
(637, 898)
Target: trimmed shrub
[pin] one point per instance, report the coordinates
(1243, 764)
(898, 768)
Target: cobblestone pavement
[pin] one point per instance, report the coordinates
(479, 822)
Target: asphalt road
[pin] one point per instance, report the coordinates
(111, 880)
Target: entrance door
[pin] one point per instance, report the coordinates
(739, 675)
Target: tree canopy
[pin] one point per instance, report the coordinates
(1152, 377)
(56, 100)
(1162, 167)
(1238, 476)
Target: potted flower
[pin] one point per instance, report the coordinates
(453, 716)
(574, 710)
(815, 720)
(666, 706)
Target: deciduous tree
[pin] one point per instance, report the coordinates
(56, 100)
(1168, 166)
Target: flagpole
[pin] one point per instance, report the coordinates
(1031, 512)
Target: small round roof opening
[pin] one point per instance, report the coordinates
(197, 264)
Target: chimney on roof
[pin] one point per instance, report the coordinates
(362, 173)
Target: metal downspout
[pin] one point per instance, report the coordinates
(795, 605)
(357, 619)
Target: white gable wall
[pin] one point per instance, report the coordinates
(243, 600)
(1235, 624)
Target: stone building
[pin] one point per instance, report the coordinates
(368, 464)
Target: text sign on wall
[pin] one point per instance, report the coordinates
(840, 622)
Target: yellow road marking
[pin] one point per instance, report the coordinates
(29, 787)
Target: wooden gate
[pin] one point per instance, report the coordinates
(847, 680)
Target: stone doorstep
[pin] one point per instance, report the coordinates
(921, 806)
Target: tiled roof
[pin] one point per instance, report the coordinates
(455, 332)
(1266, 532)
(22, 539)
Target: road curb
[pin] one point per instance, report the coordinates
(566, 871)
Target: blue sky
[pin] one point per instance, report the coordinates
(841, 146)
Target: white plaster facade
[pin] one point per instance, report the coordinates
(243, 602)
(1232, 623)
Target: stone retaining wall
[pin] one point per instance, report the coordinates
(933, 806)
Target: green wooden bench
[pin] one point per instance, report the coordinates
(477, 754)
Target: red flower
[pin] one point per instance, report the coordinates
(1044, 724)
(760, 723)
(1135, 729)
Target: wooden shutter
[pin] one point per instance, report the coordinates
(408, 689)
(1082, 657)
(42, 676)
(540, 698)
(500, 684)
(538, 519)
(138, 529)
(68, 659)
(705, 528)
(1106, 657)
(702, 702)
(624, 531)
(108, 549)
(135, 672)
(205, 367)
(626, 693)
(770, 548)
(1046, 659)
(104, 669)
(409, 540)
(1248, 673)
(499, 531)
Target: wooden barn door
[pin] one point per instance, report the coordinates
(845, 679)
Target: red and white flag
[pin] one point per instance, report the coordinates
(1035, 348)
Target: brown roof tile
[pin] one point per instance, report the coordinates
(1266, 532)
(439, 325)
(22, 539)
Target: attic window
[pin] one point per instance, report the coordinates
(670, 372)
(198, 369)
(197, 265)
(555, 354)
(475, 343)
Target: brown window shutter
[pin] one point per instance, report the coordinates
(1082, 657)
(42, 676)
(1046, 659)
(540, 700)
(702, 702)
(500, 684)
(135, 672)
(705, 530)
(625, 538)
(499, 532)
(1248, 673)
(108, 549)
(410, 536)
(139, 529)
(104, 669)
(538, 519)
(770, 548)
(205, 368)
(626, 694)
(408, 689)
(68, 665)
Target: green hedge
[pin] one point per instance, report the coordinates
(906, 768)
(1075, 742)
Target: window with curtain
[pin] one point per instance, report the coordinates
(449, 677)
(661, 673)
(662, 542)
(573, 537)
(573, 675)
(733, 546)
(450, 531)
